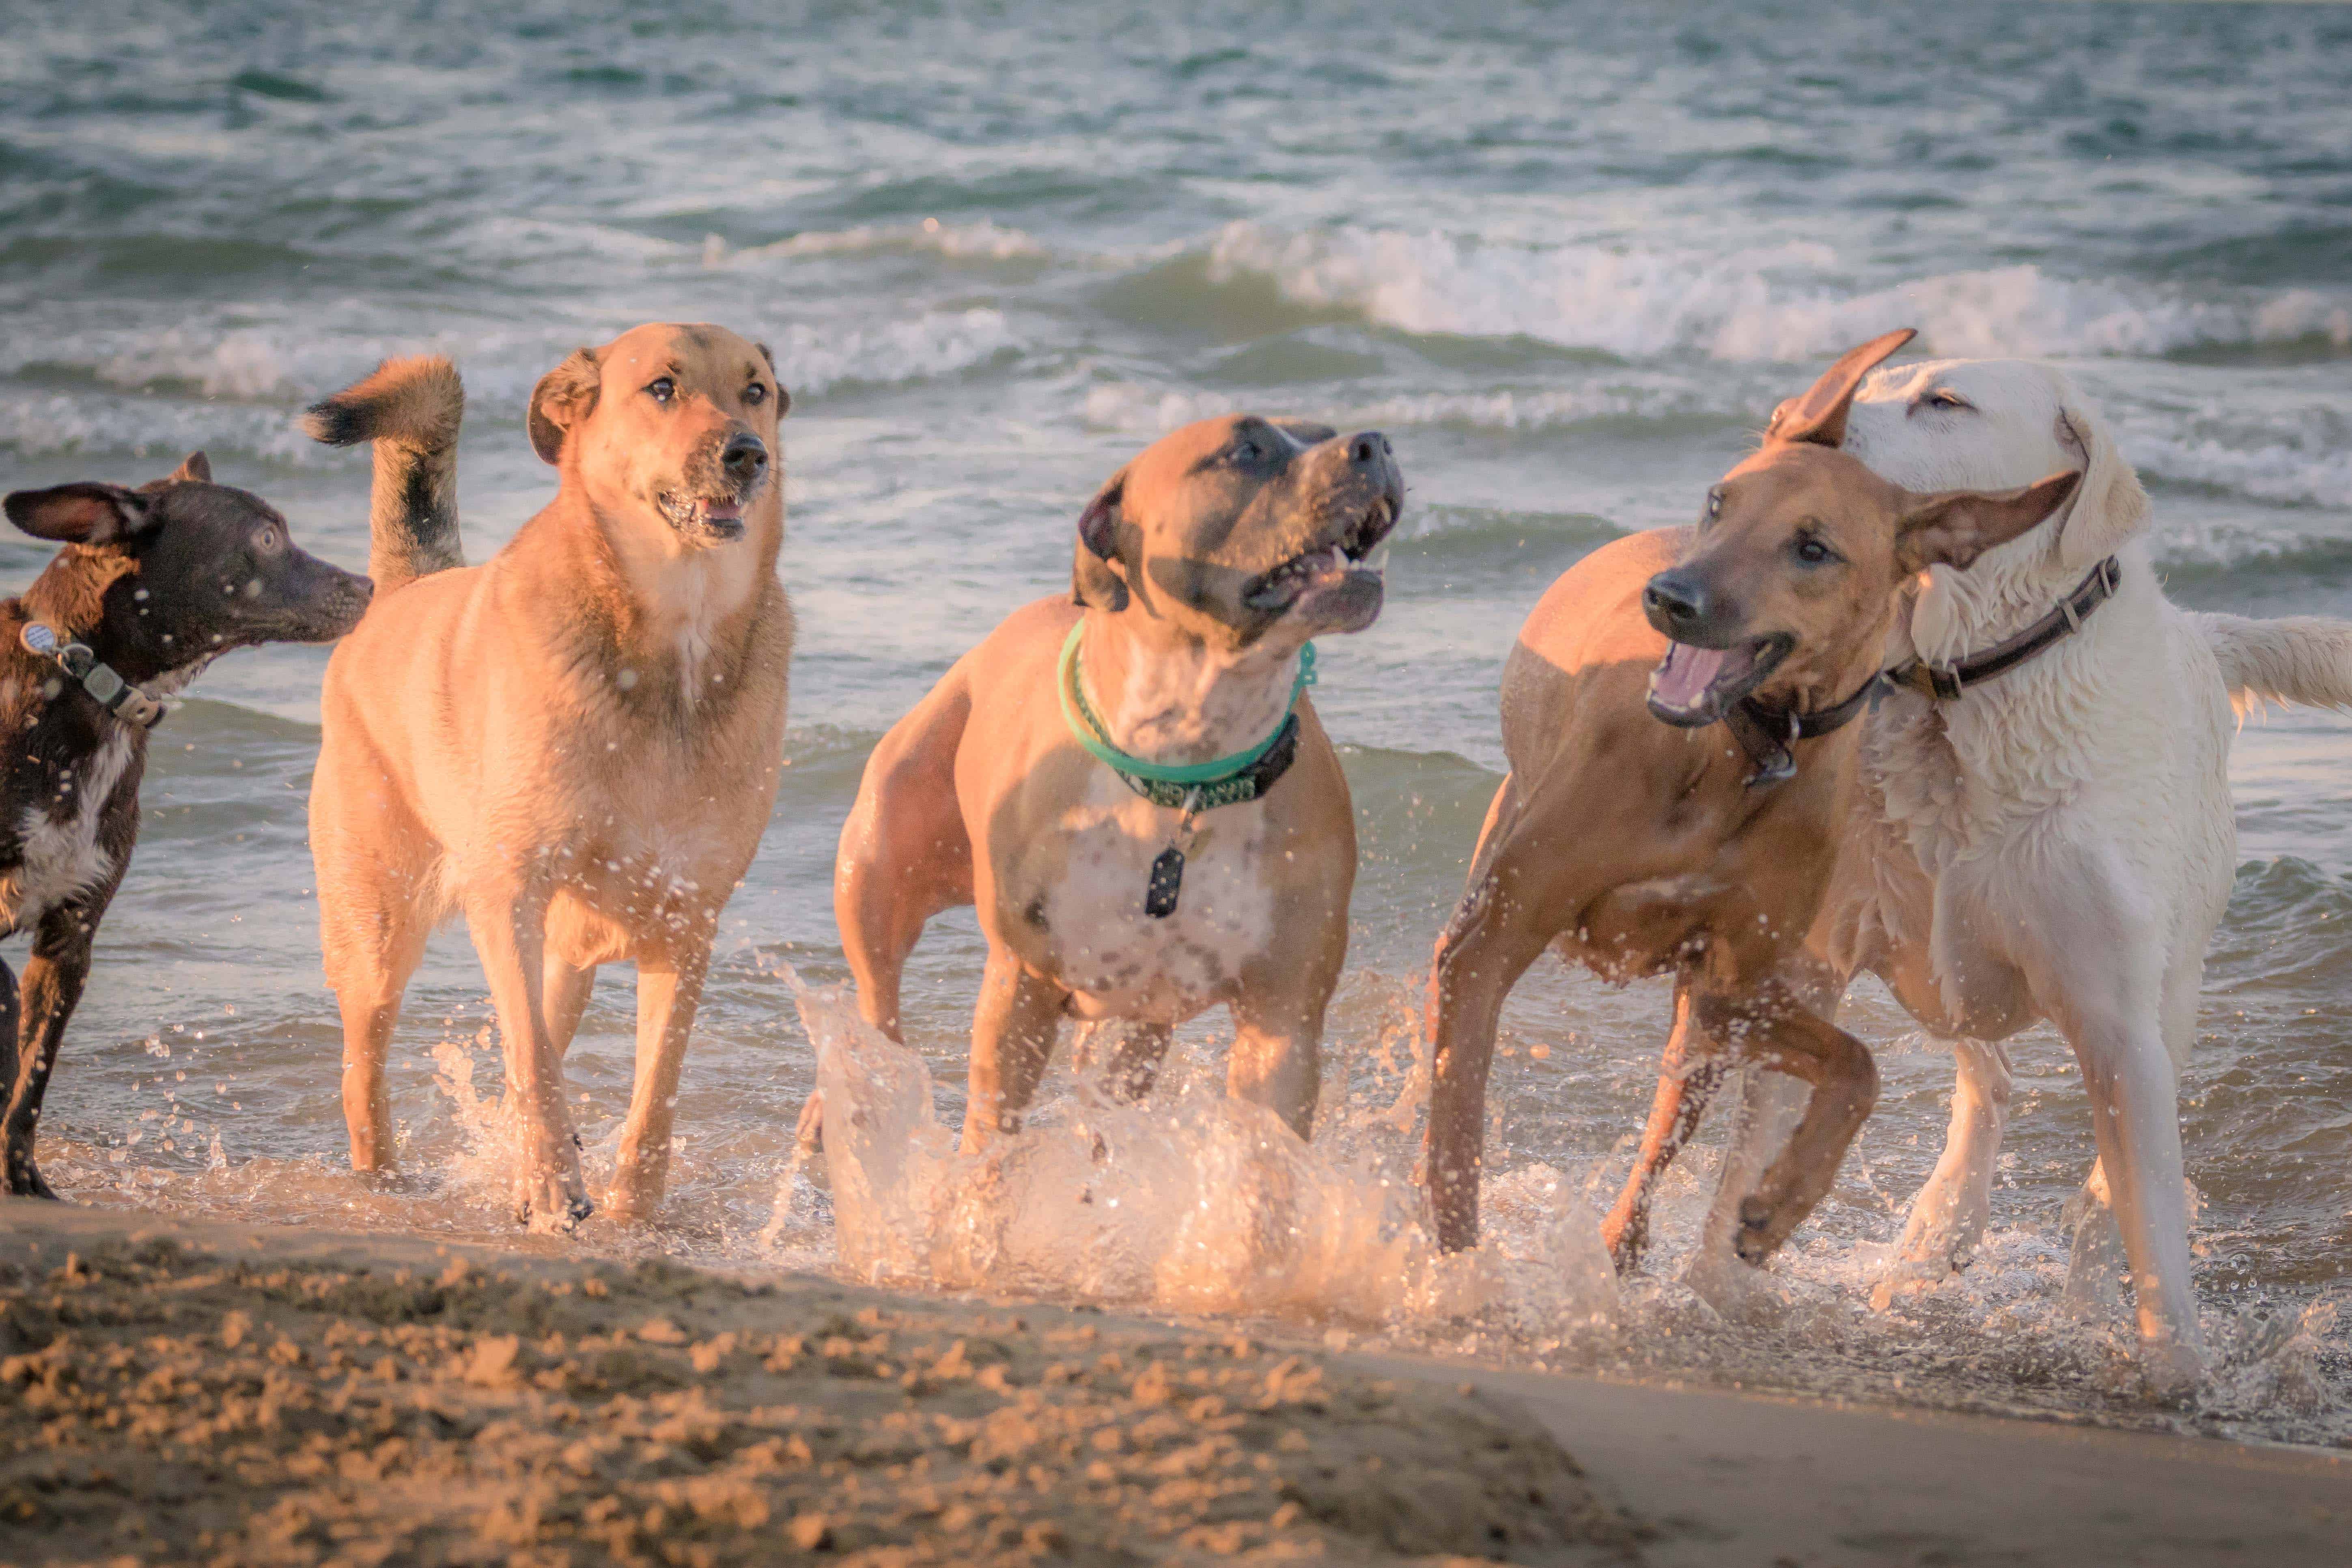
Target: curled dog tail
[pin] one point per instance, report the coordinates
(410, 408)
(2295, 658)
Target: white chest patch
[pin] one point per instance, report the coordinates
(61, 854)
(1120, 960)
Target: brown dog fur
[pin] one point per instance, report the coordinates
(576, 744)
(1643, 848)
(980, 795)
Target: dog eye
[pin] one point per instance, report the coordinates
(1246, 450)
(1714, 506)
(662, 391)
(1813, 552)
(1944, 398)
(755, 394)
(267, 541)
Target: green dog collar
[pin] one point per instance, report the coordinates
(1197, 786)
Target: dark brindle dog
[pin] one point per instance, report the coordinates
(153, 585)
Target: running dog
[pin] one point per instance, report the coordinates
(1132, 787)
(2044, 831)
(575, 744)
(1702, 846)
(151, 587)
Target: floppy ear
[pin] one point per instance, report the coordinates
(1817, 415)
(196, 470)
(1095, 581)
(1952, 528)
(79, 514)
(784, 392)
(565, 396)
(2111, 506)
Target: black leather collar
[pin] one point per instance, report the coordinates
(1948, 681)
(1766, 733)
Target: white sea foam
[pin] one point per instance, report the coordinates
(1780, 302)
(963, 242)
(1148, 409)
(928, 347)
(1196, 1203)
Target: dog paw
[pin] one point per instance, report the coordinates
(808, 1136)
(25, 1181)
(1754, 1243)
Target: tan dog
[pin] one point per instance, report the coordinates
(576, 744)
(1693, 846)
(1202, 569)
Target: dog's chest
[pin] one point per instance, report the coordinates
(1120, 959)
(59, 852)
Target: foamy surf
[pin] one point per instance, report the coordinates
(1781, 302)
(1193, 1203)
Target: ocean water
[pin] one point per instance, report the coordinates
(1566, 257)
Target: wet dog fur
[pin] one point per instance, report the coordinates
(576, 744)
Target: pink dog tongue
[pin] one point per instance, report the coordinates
(1687, 673)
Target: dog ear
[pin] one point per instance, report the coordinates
(1818, 416)
(1952, 528)
(80, 513)
(1096, 583)
(197, 469)
(2111, 506)
(784, 392)
(565, 396)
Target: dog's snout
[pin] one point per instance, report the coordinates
(1368, 449)
(1677, 604)
(745, 456)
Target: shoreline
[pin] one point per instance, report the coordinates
(177, 1390)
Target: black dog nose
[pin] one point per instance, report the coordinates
(1367, 448)
(744, 455)
(1677, 604)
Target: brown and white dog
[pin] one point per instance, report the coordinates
(1700, 847)
(1202, 568)
(576, 744)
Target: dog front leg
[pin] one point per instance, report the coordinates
(16, 1072)
(669, 991)
(509, 931)
(1948, 1219)
(52, 988)
(1276, 1060)
(1783, 1035)
(1013, 1034)
(1693, 1069)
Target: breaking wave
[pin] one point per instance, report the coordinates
(1780, 302)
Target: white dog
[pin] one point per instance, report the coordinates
(2056, 843)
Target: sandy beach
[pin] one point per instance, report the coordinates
(179, 1391)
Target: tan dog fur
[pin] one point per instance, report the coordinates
(980, 794)
(1641, 848)
(575, 744)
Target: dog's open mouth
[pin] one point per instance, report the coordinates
(714, 518)
(1694, 686)
(1355, 553)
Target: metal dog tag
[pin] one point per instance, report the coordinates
(1167, 880)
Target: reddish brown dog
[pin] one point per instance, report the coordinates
(1698, 847)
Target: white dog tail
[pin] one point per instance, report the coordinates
(410, 408)
(2296, 658)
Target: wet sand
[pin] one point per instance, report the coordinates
(183, 1392)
